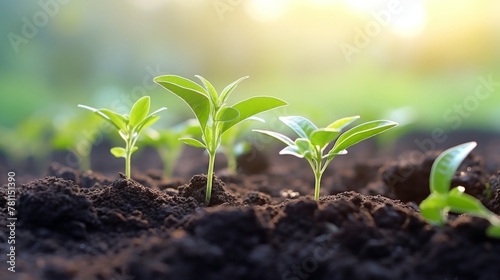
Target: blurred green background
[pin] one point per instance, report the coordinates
(416, 62)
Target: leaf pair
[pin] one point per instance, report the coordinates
(312, 141)
(442, 200)
(129, 126)
(209, 107)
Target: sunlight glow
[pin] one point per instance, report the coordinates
(265, 10)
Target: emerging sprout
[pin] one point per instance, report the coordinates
(313, 141)
(213, 113)
(442, 200)
(129, 126)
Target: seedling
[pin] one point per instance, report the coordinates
(313, 141)
(77, 134)
(213, 113)
(129, 126)
(167, 142)
(442, 200)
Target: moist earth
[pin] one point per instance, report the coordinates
(260, 224)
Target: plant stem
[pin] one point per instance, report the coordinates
(210, 177)
(127, 162)
(317, 183)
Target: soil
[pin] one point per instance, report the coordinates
(262, 223)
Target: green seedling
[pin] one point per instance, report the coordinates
(167, 143)
(129, 126)
(313, 141)
(68, 136)
(213, 113)
(442, 200)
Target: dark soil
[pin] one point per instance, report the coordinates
(260, 224)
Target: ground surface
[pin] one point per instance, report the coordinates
(74, 225)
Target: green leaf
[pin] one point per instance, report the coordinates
(332, 154)
(118, 152)
(464, 203)
(279, 136)
(192, 142)
(150, 120)
(305, 148)
(139, 111)
(117, 120)
(229, 89)
(432, 208)
(252, 106)
(361, 132)
(302, 126)
(291, 150)
(191, 93)
(134, 149)
(210, 89)
(445, 166)
(493, 231)
(342, 123)
(323, 136)
(226, 114)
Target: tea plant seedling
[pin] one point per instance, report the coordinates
(213, 113)
(313, 141)
(442, 200)
(129, 126)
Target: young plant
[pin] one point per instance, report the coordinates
(442, 200)
(129, 126)
(213, 113)
(68, 136)
(313, 141)
(167, 142)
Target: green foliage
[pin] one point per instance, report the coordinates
(27, 141)
(214, 115)
(129, 126)
(77, 133)
(313, 141)
(167, 142)
(442, 200)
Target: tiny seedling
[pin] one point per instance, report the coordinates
(167, 143)
(442, 200)
(313, 141)
(213, 113)
(129, 126)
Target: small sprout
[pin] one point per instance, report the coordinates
(129, 126)
(214, 115)
(442, 200)
(313, 141)
(167, 142)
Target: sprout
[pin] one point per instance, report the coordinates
(213, 113)
(442, 200)
(129, 126)
(313, 141)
